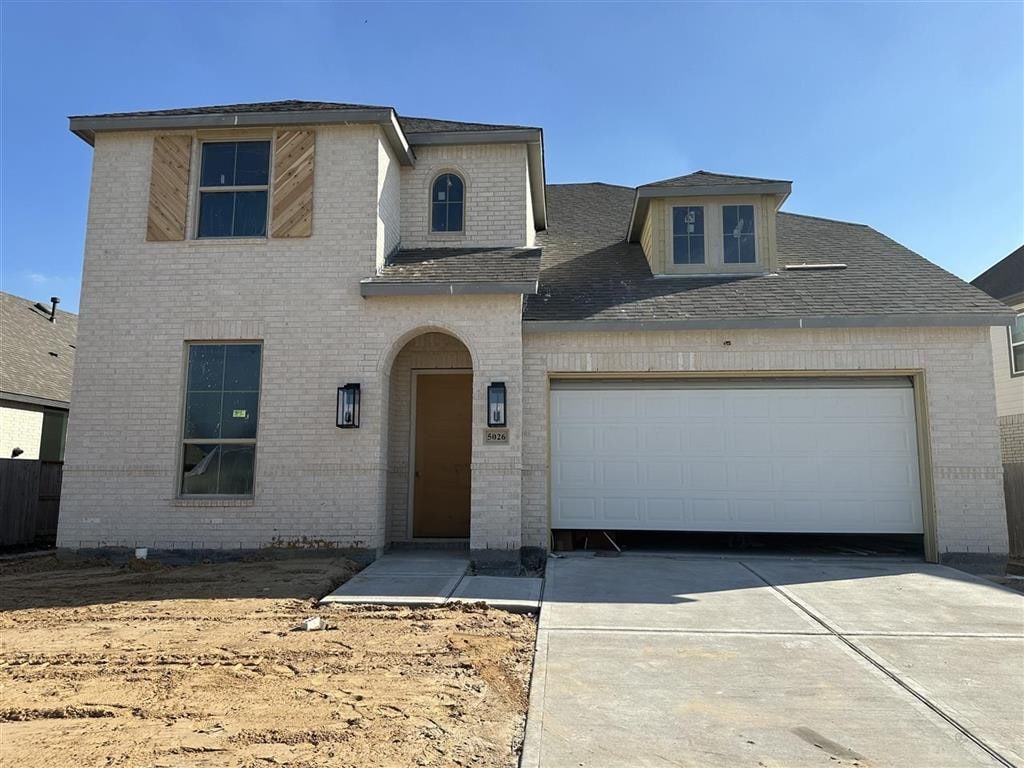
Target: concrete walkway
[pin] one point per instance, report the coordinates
(665, 661)
(434, 577)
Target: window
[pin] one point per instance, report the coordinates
(688, 235)
(446, 201)
(233, 181)
(51, 440)
(738, 234)
(1016, 334)
(222, 396)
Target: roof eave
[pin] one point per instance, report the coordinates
(16, 397)
(924, 320)
(372, 287)
(87, 127)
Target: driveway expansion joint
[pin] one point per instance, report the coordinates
(874, 662)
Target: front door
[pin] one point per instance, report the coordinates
(443, 448)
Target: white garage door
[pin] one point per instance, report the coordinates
(824, 456)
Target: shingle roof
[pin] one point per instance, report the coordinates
(461, 265)
(706, 178)
(1005, 278)
(590, 273)
(37, 357)
(410, 125)
(289, 105)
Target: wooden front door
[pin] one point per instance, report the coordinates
(443, 451)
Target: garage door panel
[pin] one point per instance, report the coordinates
(663, 474)
(621, 512)
(706, 475)
(570, 473)
(661, 440)
(576, 511)
(704, 439)
(823, 459)
(619, 475)
(748, 438)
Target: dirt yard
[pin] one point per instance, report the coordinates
(197, 666)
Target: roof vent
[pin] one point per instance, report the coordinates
(54, 301)
(814, 267)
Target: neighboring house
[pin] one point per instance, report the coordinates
(37, 357)
(1005, 281)
(505, 358)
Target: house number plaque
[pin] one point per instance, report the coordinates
(495, 435)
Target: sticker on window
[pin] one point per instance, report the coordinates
(239, 413)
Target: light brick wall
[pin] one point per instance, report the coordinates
(1011, 433)
(961, 402)
(496, 195)
(21, 426)
(140, 303)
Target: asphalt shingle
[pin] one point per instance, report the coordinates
(589, 272)
(1005, 278)
(461, 265)
(37, 357)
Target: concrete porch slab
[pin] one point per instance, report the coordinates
(508, 593)
(426, 578)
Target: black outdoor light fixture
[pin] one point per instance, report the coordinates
(496, 404)
(348, 406)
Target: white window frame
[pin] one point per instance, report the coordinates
(183, 441)
(1012, 345)
(199, 188)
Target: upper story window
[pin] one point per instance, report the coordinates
(688, 234)
(1017, 345)
(447, 195)
(233, 188)
(738, 234)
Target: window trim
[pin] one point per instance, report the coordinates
(430, 203)
(1011, 344)
(714, 247)
(179, 464)
(198, 189)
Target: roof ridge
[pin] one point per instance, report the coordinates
(589, 184)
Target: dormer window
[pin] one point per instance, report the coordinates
(688, 234)
(738, 234)
(446, 203)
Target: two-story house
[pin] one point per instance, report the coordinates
(312, 324)
(1004, 281)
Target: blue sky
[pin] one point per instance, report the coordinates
(908, 117)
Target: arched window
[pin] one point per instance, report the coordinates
(446, 201)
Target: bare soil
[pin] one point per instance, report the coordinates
(145, 665)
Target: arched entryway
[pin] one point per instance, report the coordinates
(430, 418)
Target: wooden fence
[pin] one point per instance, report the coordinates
(29, 501)
(1013, 488)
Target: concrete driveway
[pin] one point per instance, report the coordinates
(771, 662)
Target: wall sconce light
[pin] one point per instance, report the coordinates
(496, 404)
(348, 406)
